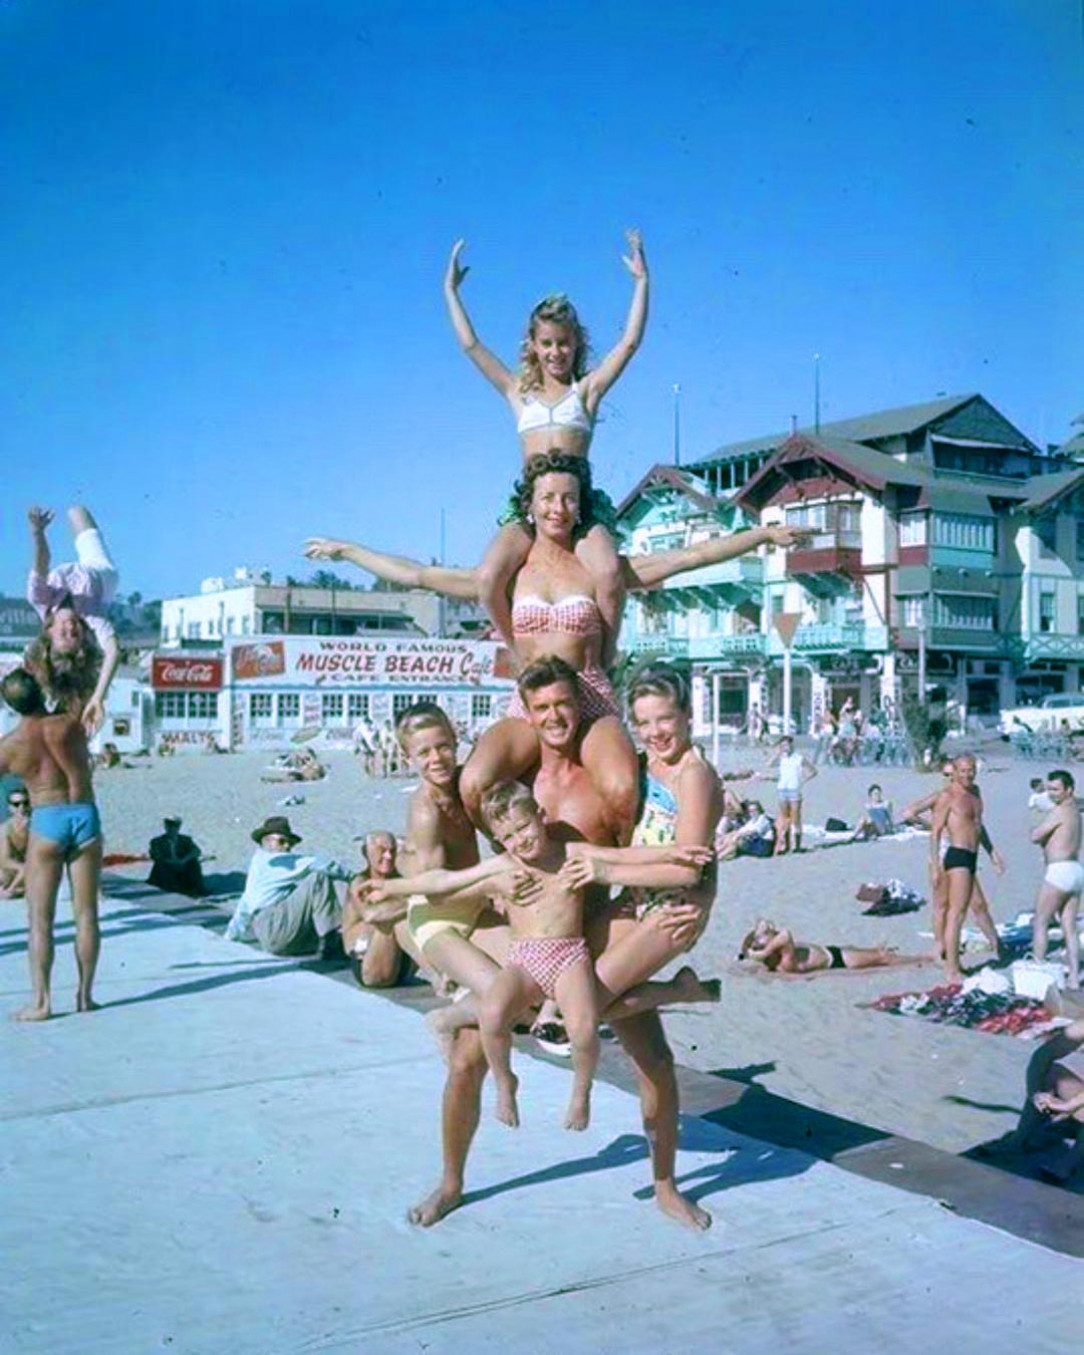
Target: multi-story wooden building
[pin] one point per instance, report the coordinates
(942, 540)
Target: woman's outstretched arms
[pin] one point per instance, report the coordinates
(618, 358)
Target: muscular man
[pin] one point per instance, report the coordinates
(14, 841)
(572, 805)
(1059, 893)
(49, 753)
(958, 812)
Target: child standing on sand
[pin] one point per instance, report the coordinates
(555, 399)
(548, 956)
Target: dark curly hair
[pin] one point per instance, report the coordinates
(555, 462)
(68, 680)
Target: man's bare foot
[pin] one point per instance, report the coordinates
(954, 976)
(579, 1113)
(507, 1111)
(442, 1032)
(679, 1207)
(693, 989)
(86, 1004)
(435, 1206)
(34, 1012)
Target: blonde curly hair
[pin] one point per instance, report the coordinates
(558, 310)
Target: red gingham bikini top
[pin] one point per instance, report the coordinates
(573, 615)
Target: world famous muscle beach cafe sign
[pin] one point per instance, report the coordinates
(348, 661)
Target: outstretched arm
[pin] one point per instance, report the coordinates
(652, 568)
(491, 367)
(397, 569)
(94, 710)
(39, 519)
(618, 358)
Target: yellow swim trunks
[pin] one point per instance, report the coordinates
(427, 920)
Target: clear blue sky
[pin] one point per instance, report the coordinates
(223, 226)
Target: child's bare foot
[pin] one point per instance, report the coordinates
(86, 1004)
(36, 1011)
(678, 1207)
(579, 1113)
(441, 1031)
(507, 1111)
(692, 989)
(435, 1206)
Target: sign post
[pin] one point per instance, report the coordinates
(786, 623)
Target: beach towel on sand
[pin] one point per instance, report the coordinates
(995, 1013)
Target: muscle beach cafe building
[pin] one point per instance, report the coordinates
(264, 691)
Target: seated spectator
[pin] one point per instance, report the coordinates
(876, 821)
(776, 949)
(1053, 1108)
(289, 906)
(14, 837)
(176, 859)
(382, 955)
(755, 837)
(299, 764)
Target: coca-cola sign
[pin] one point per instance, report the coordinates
(186, 672)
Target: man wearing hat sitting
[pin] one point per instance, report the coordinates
(176, 859)
(289, 905)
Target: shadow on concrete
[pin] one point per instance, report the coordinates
(739, 1165)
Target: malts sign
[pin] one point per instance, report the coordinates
(186, 673)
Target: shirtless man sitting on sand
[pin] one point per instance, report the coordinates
(382, 955)
(14, 841)
(958, 812)
(49, 753)
(1059, 894)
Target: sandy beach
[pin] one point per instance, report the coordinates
(808, 1039)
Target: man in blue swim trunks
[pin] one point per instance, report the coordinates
(49, 753)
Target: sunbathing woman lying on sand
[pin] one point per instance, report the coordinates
(776, 949)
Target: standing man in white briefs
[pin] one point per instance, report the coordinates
(794, 770)
(1063, 880)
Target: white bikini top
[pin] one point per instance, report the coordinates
(568, 412)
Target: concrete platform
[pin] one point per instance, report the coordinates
(221, 1158)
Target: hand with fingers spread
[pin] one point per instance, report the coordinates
(580, 871)
(39, 518)
(685, 922)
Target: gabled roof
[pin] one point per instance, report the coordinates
(673, 478)
(1043, 490)
(865, 465)
(866, 428)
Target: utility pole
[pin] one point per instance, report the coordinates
(817, 394)
(677, 424)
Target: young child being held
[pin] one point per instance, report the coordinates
(548, 956)
(555, 398)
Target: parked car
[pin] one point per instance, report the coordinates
(1060, 712)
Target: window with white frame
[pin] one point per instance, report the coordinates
(481, 706)
(1046, 611)
(913, 611)
(332, 705)
(260, 707)
(357, 706)
(401, 700)
(202, 705)
(963, 611)
(195, 630)
(170, 705)
(964, 531)
(912, 529)
(289, 704)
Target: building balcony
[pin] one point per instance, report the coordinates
(1053, 645)
(730, 582)
(834, 638)
(702, 648)
(827, 563)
